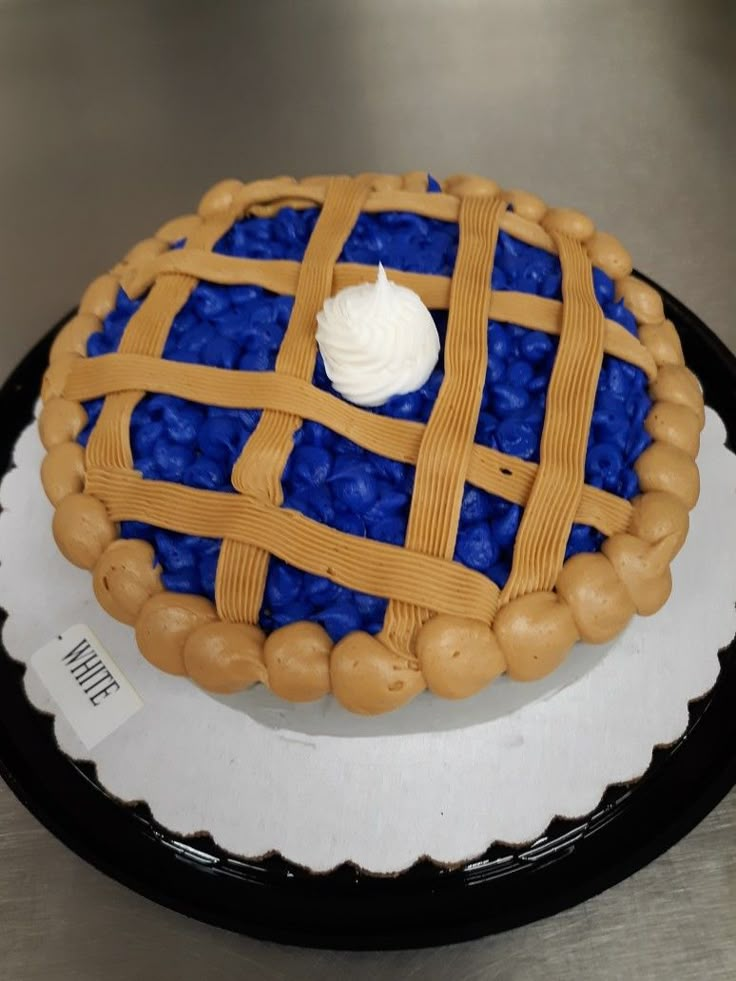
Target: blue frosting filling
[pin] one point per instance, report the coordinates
(329, 478)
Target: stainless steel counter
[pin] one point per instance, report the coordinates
(116, 116)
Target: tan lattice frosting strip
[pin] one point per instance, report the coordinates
(358, 563)
(397, 439)
(462, 646)
(146, 333)
(442, 463)
(242, 569)
(553, 502)
(282, 276)
(445, 207)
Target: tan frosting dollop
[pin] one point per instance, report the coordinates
(82, 529)
(219, 197)
(665, 468)
(60, 421)
(73, 336)
(526, 205)
(369, 679)
(663, 342)
(55, 376)
(297, 659)
(165, 622)
(414, 181)
(62, 471)
(100, 296)
(125, 576)
(676, 383)
(643, 301)
(225, 657)
(642, 568)
(657, 517)
(676, 425)
(458, 657)
(535, 632)
(652, 594)
(567, 221)
(600, 603)
(467, 185)
(608, 254)
(145, 250)
(379, 182)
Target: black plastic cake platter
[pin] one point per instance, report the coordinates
(346, 908)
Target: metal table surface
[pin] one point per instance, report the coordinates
(116, 116)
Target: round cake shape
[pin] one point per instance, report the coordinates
(263, 258)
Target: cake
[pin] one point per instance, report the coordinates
(370, 436)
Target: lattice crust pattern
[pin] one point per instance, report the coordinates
(447, 627)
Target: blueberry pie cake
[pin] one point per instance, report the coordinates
(369, 436)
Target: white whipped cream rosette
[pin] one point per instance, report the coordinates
(377, 340)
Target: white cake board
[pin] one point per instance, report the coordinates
(438, 779)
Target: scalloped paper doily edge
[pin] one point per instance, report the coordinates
(320, 800)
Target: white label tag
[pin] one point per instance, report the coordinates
(91, 691)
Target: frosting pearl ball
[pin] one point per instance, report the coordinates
(414, 181)
(82, 529)
(62, 471)
(608, 254)
(100, 296)
(566, 221)
(675, 424)
(526, 205)
(384, 182)
(665, 468)
(663, 342)
(56, 375)
(535, 632)
(225, 657)
(163, 625)
(653, 593)
(73, 336)
(219, 198)
(458, 657)
(643, 301)
(369, 679)
(469, 185)
(600, 603)
(297, 659)
(642, 568)
(60, 421)
(377, 340)
(143, 251)
(676, 383)
(657, 517)
(124, 577)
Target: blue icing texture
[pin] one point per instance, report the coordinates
(327, 477)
